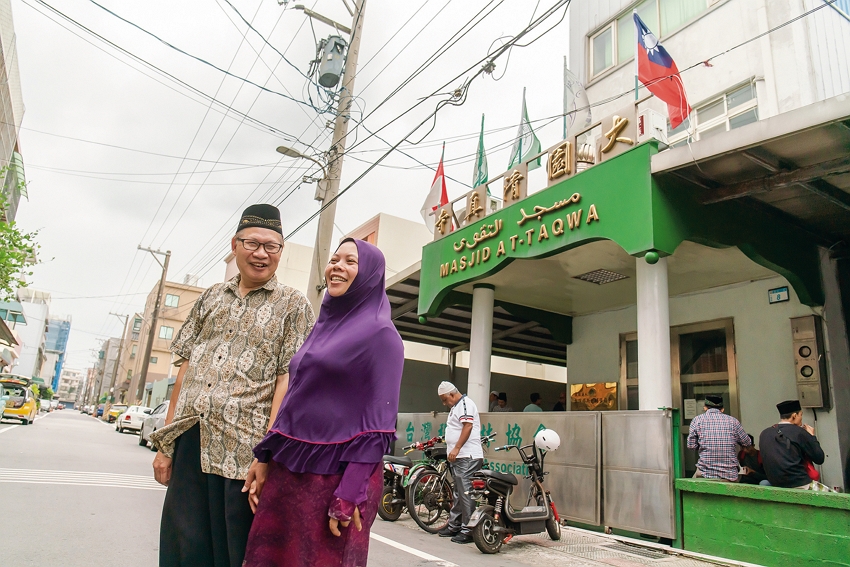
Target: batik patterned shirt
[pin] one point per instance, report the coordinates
(235, 347)
(716, 436)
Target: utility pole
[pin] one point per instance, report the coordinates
(324, 234)
(118, 355)
(146, 361)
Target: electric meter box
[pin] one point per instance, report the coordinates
(809, 362)
(651, 125)
(333, 59)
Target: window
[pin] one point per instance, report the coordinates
(137, 325)
(133, 351)
(730, 110)
(171, 300)
(843, 5)
(166, 332)
(615, 43)
(129, 375)
(134, 337)
(154, 360)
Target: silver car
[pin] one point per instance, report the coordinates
(151, 423)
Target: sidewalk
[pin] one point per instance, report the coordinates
(582, 548)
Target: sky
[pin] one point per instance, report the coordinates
(117, 155)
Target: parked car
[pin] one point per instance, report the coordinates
(99, 411)
(20, 402)
(60, 406)
(45, 405)
(131, 420)
(151, 423)
(115, 411)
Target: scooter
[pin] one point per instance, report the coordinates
(399, 473)
(495, 521)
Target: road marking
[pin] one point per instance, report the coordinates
(8, 428)
(412, 551)
(79, 478)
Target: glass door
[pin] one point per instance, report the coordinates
(703, 363)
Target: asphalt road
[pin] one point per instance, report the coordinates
(77, 493)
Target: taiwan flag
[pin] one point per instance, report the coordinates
(659, 74)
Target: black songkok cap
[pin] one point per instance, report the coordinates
(789, 406)
(261, 216)
(713, 401)
(503, 396)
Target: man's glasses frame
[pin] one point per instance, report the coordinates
(252, 246)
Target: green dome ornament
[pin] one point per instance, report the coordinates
(423, 319)
(651, 257)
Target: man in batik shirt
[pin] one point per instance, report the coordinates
(236, 345)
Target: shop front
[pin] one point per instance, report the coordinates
(668, 295)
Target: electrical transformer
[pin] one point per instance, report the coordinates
(333, 58)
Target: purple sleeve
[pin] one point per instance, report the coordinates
(351, 490)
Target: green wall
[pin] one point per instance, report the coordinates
(775, 527)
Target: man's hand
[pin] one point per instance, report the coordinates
(453, 455)
(254, 483)
(334, 523)
(162, 468)
(809, 428)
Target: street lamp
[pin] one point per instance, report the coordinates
(293, 153)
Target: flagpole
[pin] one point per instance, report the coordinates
(565, 97)
(637, 37)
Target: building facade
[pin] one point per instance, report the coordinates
(55, 345)
(36, 310)
(11, 115)
(177, 302)
(70, 386)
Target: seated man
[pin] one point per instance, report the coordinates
(716, 436)
(787, 445)
(502, 403)
(750, 460)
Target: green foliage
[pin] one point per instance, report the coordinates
(46, 392)
(17, 253)
(35, 390)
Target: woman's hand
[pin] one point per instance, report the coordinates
(334, 523)
(254, 483)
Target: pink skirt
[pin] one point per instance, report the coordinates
(291, 529)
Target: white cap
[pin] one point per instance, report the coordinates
(494, 393)
(445, 388)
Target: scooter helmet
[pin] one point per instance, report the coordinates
(547, 440)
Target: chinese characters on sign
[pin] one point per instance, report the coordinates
(426, 430)
(410, 431)
(559, 162)
(513, 189)
(619, 124)
(474, 209)
(443, 221)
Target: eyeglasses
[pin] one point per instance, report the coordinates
(269, 247)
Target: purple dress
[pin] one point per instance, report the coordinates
(336, 422)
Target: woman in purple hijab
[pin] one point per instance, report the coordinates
(337, 420)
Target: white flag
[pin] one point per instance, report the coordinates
(526, 143)
(437, 196)
(577, 117)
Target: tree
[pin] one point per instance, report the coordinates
(17, 253)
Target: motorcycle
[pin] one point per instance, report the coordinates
(400, 472)
(495, 521)
(430, 494)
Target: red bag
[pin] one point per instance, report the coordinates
(811, 470)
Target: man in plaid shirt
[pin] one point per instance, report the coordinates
(715, 436)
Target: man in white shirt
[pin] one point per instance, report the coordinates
(463, 441)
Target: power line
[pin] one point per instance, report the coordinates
(203, 61)
(227, 108)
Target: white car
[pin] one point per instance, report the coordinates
(151, 423)
(131, 420)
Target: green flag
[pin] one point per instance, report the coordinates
(480, 175)
(526, 143)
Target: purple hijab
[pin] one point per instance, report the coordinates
(342, 402)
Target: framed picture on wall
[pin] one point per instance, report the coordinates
(601, 396)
